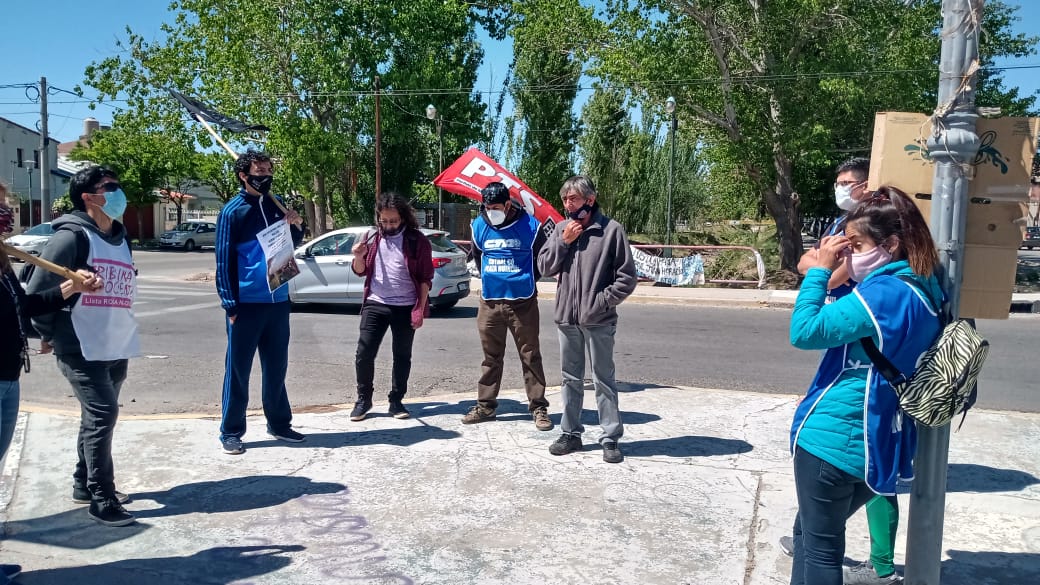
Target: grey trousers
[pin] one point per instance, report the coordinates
(599, 341)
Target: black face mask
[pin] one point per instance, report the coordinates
(262, 183)
(581, 212)
(390, 232)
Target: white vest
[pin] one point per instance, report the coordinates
(104, 320)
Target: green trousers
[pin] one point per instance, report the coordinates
(883, 520)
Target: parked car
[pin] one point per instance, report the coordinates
(32, 240)
(326, 277)
(1032, 238)
(190, 235)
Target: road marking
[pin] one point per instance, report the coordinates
(178, 309)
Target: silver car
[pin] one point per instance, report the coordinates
(190, 235)
(325, 274)
(32, 240)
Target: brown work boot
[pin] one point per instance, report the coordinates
(478, 414)
(541, 419)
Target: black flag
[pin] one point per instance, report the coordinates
(199, 110)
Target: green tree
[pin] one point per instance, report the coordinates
(781, 91)
(307, 70)
(548, 40)
(145, 159)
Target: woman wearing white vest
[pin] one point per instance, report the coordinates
(94, 338)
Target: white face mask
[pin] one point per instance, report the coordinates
(843, 197)
(496, 217)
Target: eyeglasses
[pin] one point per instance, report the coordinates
(108, 188)
(847, 183)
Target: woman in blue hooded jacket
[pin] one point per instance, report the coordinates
(849, 439)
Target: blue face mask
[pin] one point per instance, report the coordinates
(115, 204)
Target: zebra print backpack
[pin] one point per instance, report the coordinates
(945, 381)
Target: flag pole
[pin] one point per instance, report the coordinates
(45, 264)
(234, 155)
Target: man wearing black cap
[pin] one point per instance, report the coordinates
(506, 241)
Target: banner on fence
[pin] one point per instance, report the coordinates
(675, 271)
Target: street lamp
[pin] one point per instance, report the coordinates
(669, 106)
(28, 173)
(431, 114)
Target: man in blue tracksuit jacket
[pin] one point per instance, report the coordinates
(257, 319)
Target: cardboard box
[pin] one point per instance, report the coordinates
(989, 278)
(989, 223)
(1000, 172)
(997, 195)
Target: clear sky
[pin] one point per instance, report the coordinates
(59, 38)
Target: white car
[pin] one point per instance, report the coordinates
(190, 235)
(325, 275)
(32, 240)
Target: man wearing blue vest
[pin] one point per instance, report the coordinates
(506, 241)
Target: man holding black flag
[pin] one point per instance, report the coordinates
(257, 308)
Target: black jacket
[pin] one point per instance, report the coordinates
(11, 331)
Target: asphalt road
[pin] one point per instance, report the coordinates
(183, 337)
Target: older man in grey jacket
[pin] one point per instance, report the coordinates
(590, 254)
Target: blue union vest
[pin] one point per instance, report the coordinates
(507, 259)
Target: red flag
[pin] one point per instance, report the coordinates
(474, 170)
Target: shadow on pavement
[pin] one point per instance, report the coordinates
(969, 477)
(401, 437)
(638, 387)
(215, 566)
(972, 568)
(453, 313)
(688, 446)
(70, 529)
(231, 495)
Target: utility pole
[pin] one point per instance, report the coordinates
(379, 141)
(952, 146)
(45, 159)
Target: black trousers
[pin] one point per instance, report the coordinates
(376, 318)
(96, 385)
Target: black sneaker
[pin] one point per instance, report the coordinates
(110, 513)
(565, 444)
(288, 435)
(233, 446)
(361, 408)
(397, 410)
(611, 452)
(81, 495)
(11, 571)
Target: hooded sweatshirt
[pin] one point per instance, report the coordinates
(70, 249)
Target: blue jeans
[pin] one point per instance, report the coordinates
(259, 328)
(599, 341)
(827, 497)
(9, 395)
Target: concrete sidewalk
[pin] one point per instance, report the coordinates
(702, 497)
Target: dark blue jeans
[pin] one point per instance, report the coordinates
(9, 398)
(96, 385)
(263, 328)
(827, 497)
(376, 318)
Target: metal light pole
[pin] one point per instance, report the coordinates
(28, 173)
(431, 114)
(669, 106)
(952, 146)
